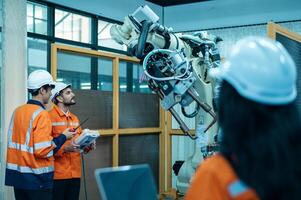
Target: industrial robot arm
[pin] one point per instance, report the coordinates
(176, 65)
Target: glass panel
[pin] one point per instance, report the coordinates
(95, 105)
(40, 12)
(30, 24)
(104, 37)
(72, 26)
(36, 18)
(138, 110)
(134, 149)
(74, 69)
(40, 26)
(30, 9)
(36, 54)
(294, 49)
(99, 158)
(131, 78)
(105, 74)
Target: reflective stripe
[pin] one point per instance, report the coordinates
(24, 169)
(41, 145)
(73, 124)
(25, 147)
(65, 124)
(52, 143)
(28, 133)
(10, 128)
(49, 154)
(21, 147)
(236, 188)
(59, 123)
(33, 117)
(28, 149)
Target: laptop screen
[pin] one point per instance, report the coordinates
(133, 182)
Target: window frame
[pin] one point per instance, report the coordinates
(34, 18)
(50, 36)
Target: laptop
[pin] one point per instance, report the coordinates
(134, 182)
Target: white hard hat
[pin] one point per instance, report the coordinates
(59, 86)
(261, 70)
(39, 78)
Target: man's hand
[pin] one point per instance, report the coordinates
(68, 133)
(71, 147)
(90, 147)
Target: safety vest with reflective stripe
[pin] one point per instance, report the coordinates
(30, 149)
(67, 165)
(215, 179)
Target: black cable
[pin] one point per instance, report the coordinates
(84, 176)
(142, 39)
(191, 115)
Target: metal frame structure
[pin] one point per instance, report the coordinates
(273, 29)
(115, 132)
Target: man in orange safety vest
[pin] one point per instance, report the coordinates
(30, 150)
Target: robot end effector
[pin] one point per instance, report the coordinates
(142, 33)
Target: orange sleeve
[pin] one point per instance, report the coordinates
(205, 186)
(42, 139)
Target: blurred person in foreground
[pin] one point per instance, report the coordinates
(260, 149)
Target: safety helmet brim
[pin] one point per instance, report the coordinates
(67, 85)
(52, 85)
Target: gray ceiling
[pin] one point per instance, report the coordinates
(200, 15)
(174, 2)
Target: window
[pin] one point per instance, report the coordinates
(74, 69)
(36, 54)
(104, 37)
(131, 78)
(36, 18)
(105, 74)
(72, 26)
